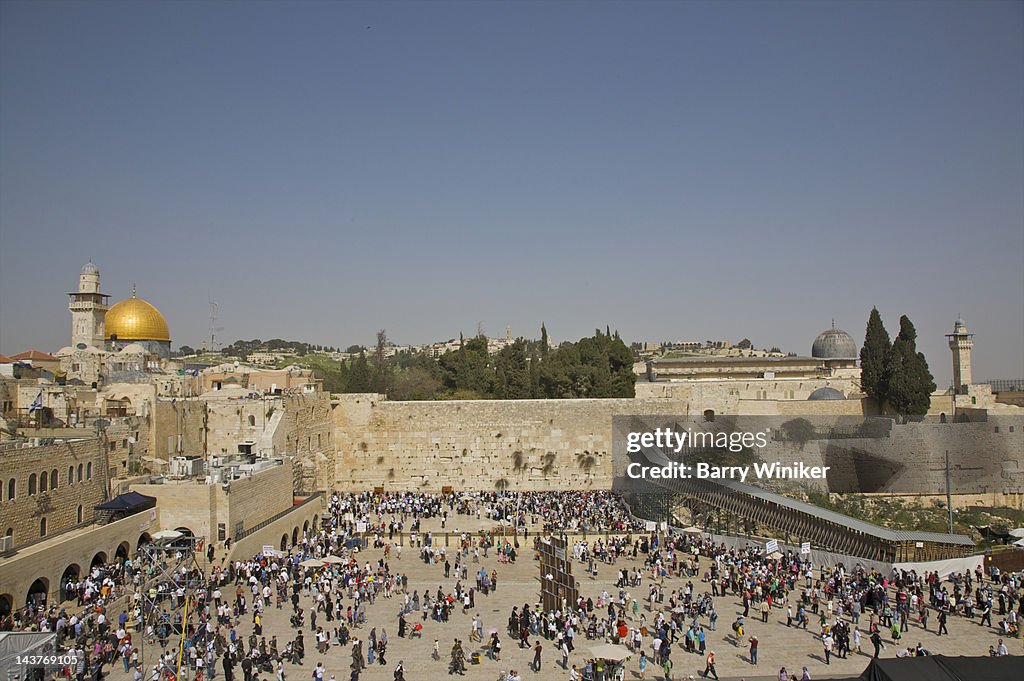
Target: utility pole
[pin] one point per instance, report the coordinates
(949, 494)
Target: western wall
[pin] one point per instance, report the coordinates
(567, 444)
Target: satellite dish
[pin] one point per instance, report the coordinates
(81, 346)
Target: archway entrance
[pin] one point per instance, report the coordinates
(121, 554)
(6, 606)
(144, 539)
(99, 560)
(71, 574)
(37, 592)
(295, 536)
(284, 542)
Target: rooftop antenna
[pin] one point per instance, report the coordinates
(213, 326)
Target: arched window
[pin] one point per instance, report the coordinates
(71, 475)
(252, 420)
(42, 527)
(12, 489)
(44, 481)
(88, 471)
(79, 513)
(32, 484)
(79, 472)
(53, 479)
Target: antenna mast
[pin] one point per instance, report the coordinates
(213, 327)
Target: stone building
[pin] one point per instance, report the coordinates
(111, 344)
(49, 489)
(88, 307)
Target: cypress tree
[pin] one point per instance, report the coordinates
(874, 359)
(910, 381)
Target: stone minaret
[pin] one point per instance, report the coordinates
(960, 343)
(88, 307)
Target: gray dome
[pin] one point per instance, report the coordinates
(834, 344)
(89, 268)
(826, 394)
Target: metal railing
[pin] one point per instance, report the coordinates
(277, 516)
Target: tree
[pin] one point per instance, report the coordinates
(910, 382)
(185, 351)
(513, 374)
(359, 379)
(744, 344)
(354, 349)
(874, 359)
(543, 340)
(381, 371)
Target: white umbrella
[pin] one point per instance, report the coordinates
(775, 555)
(1019, 533)
(334, 560)
(611, 651)
(693, 529)
(167, 534)
(311, 562)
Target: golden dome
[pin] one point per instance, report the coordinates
(135, 319)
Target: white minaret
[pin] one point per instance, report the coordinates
(88, 307)
(960, 343)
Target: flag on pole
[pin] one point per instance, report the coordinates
(37, 403)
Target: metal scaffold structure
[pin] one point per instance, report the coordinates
(176, 561)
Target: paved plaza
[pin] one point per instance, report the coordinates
(519, 583)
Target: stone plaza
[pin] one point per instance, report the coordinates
(518, 584)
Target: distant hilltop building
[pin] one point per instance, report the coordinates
(832, 364)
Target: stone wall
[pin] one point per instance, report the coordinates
(479, 444)
(298, 425)
(254, 499)
(48, 561)
(206, 510)
(282, 530)
(566, 444)
(23, 513)
(307, 430)
(186, 504)
(178, 427)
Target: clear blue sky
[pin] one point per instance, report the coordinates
(676, 170)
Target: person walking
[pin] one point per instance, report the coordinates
(710, 666)
(537, 648)
(876, 640)
(753, 650)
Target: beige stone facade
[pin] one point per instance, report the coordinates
(32, 509)
(219, 511)
(45, 565)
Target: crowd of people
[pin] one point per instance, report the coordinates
(664, 604)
